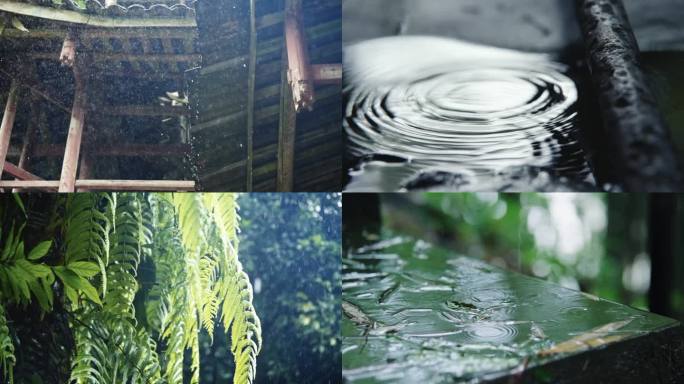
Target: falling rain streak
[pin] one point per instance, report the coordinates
(433, 111)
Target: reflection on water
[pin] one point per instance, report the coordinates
(415, 313)
(444, 107)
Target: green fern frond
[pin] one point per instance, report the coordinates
(235, 291)
(111, 349)
(189, 242)
(7, 357)
(86, 230)
(126, 239)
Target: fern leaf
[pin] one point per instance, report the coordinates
(7, 357)
(86, 230)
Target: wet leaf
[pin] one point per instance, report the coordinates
(355, 314)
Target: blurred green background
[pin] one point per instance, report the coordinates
(598, 243)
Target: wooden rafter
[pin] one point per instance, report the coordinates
(8, 121)
(299, 72)
(20, 174)
(286, 137)
(108, 185)
(120, 150)
(251, 81)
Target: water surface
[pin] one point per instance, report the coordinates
(416, 313)
(485, 116)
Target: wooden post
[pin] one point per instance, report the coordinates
(251, 81)
(68, 54)
(29, 137)
(299, 72)
(67, 180)
(286, 137)
(85, 169)
(8, 122)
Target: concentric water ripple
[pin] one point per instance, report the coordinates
(492, 332)
(461, 107)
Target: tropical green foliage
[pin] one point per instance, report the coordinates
(186, 247)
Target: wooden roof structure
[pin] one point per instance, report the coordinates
(132, 54)
(295, 87)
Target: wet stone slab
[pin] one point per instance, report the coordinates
(415, 313)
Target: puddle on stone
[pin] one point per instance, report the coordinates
(447, 318)
(459, 116)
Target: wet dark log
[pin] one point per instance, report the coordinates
(629, 110)
(662, 223)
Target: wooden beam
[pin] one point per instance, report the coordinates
(286, 139)
(8, 121)
(327, 73)
(43, 12)
(19, 173)
(299, 72)
(35, 89)
(147, 57)
(251, 81)
(106, 185)
(144, 110)
(73, 145)
(124, 150)
(88, 33)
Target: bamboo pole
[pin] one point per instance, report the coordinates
(67, 179)
(8, 121)
(251, 80)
